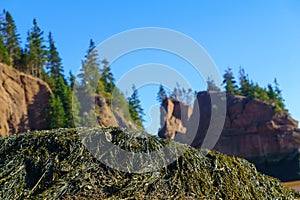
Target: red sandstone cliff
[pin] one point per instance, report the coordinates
(23, 101)
(251, 130)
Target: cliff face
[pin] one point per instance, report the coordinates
(111, 117)
(23, 101)
(252, 130)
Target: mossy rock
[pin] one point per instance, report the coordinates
(56, 165)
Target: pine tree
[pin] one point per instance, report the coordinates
(161, 94)
(37, 54)
(4, 58)
(135, 109)
(11, 38)
(229, 81)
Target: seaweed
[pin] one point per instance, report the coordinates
(55, 164)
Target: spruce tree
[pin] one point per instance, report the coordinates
(37, 53)
(58, 82)
(89, 72)
(279, 101)
(161, 94)
(11, 38)
(55, 113)
(245, 85)
(54, 66)
(107, 77)
(87, 87)
(135, 109)
(4, 58)
(229, 81)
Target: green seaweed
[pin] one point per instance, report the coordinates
(56, 165)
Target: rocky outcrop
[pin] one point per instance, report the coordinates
(252, 130)
(23, 101)
(108, 116)
(174, 116)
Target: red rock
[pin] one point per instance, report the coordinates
(25, 98)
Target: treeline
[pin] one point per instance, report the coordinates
(40, 58)
(246, 87)
(179, 93)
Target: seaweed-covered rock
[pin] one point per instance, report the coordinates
(56, 165)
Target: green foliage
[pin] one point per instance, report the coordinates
(37, 53)
(229, 82)
(8, 31)
(59, 86)
(135, 109)
(161, 94)
(107, 77)
(55, 113)
(89, 72)
(4, 58)
(271, 94)
(54, 66)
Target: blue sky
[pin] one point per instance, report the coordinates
(261, 36)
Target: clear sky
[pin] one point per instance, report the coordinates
(261, 36)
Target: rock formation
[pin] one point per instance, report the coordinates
(23, 101)
(111, 117)
(174, 116)
(252, 130)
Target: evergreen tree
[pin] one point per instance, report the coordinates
(23, 64)
(58, 82)
(54, 66)
(89, 74)
(229, 81)
(107, 77)
(245, 85)
(271, 92)
(4, 58)
(72, 80)
(211, 85)
(55, 113)
(11, 38)
(135, 109)
(37, 54)
(279, 101)
(161, 94)
(89, 79)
